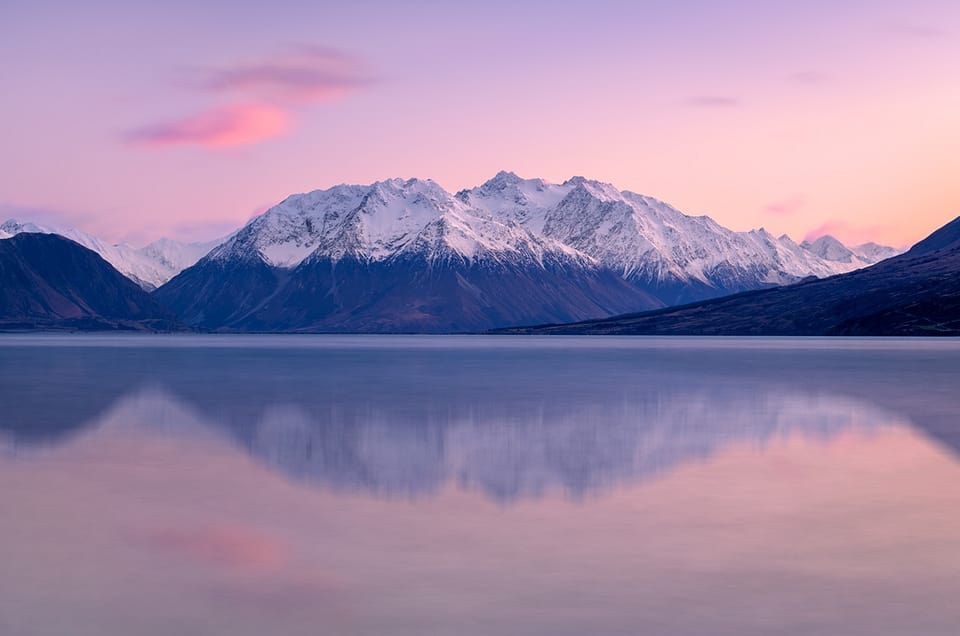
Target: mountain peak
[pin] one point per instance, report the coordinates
(500, 181)
(829, 248)
(592, 188)
(13, 226)
(826, 239)
(506, 175)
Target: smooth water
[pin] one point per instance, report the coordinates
(478, 486)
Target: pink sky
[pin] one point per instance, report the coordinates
(133, 121)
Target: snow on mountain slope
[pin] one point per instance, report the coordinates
(387, 219)
(174, 256)
(873, 253)
(830, 249)
(655, 245)
(149, 267)
(394, 256)
(580, 223)
(526, 201)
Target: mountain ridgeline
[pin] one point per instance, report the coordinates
(149, 266)
(914, 294)
(407, 256)
(395, 256)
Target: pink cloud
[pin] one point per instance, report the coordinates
(237, 125)
(227, 545)
(786, 207)
(309, 74)
(278, 87)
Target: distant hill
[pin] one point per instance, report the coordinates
(50, 282)
(914, 294)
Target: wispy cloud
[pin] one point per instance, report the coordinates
(238, 125)
(786, 207)
(263, 98)
(308, 74)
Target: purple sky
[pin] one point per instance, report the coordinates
(134, 120)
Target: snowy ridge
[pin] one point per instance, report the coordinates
(651, 243)
(508, 219)
(174, 256)
(150, 266)
(875, 253)
(830, 249)
(388, 219)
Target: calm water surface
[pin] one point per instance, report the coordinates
(478, 486)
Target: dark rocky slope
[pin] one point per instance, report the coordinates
(397, 295)
(50, 282)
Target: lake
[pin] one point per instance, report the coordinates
(478, 485)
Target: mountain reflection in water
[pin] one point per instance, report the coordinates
(513, 418)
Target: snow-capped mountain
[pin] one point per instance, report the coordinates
(172, 257)
(397, 254)
(385, 220)
(407, 255)
(150, 266)
(832, 250)
(875, 253)
(677, 257)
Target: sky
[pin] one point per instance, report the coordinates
(135, 120)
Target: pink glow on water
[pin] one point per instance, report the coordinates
(222, 544)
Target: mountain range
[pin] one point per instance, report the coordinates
(914, 294)
(406, 255)
(676, 257)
